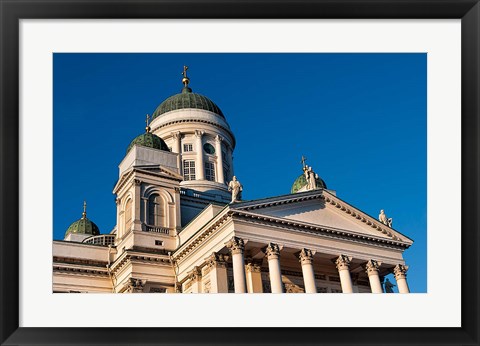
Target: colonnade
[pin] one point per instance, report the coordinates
(272, 252)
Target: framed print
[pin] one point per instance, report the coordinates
(335, 113)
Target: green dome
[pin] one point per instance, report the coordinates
(301, 181)
(187, 99)
(149, 140)
(83, 226)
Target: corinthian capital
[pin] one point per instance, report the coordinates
(343, 262)
(199, 133)
(400, 271)
(195, 274)
(236, 245)
(176, 135)
(216, 260)
(218, 138)
(306, 256)
(135, 285)
(272, 251)
(372, 267)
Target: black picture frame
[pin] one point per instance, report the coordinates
(12, 11)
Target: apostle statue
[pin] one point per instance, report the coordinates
(389, 286)
(310, 177)
(236, 189)
(384, 219)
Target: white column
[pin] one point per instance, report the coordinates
(400, 272)
(306, 259)
(343, 266)
(200, 166)
(237, 246)
(218, 150)
(273, 255)
(177, 148)
(372, 272)
(137, 223)
(254, 278)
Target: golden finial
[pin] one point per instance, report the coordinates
(303, 161)
(84, 214)
(147, 121)
(185, 79)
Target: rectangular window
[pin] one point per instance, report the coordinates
(189, 170)
(209, 171)
(187, 147)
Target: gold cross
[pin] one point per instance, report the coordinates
(185, 68)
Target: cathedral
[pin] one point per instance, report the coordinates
(182, 226)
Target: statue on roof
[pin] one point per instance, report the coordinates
(310, 177)
(387, 221)
(236, 189)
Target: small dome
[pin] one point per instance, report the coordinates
(301, 182)
(84, 225)
(187, 99)
(149, 140)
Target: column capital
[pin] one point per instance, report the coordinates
(216, 260)
(372, 267)
(306, 256)
(135, 285)
(343, 262)
(253, 268)
(400, 271)
(272, 251)
(176, 135)
(218, 138)
(199, 133)
(236, 245)
(137, 182)
(195, 274)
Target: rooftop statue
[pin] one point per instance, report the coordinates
(236, 189)
(384, 219)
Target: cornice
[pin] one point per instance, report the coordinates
(311, 228)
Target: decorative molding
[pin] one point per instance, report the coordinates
(218, 138)
(343, 262)
(236, 245)
(400, 271)
(137, 182)
(372, 267)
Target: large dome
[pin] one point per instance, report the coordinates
(149, 140)
(301, 182)
(187, 99)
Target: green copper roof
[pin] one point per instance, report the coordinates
(301, 181)
(187, 99)
(83, 226)
(149, 140)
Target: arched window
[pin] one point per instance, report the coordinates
(128, 215)
(155, 211)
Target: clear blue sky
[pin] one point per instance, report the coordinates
(360, 119)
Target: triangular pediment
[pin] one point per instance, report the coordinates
(323, 209)
(156, 170)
